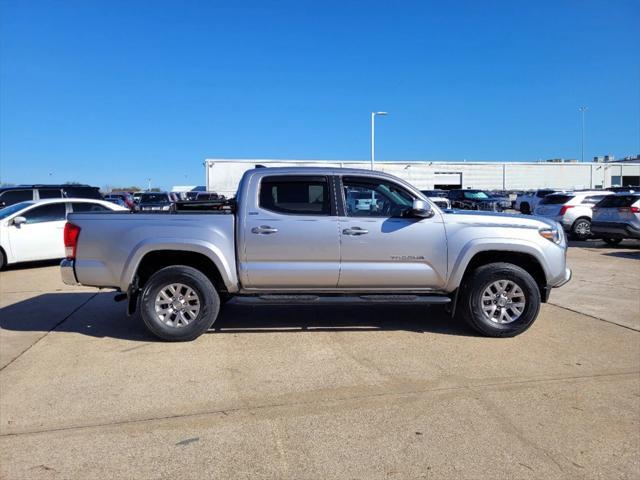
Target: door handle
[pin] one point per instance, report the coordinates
(264, 230)
(355, 231)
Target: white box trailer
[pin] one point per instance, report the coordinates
(223, 175)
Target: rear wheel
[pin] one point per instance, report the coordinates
(612, 241)
(500, 300)
(581, 229)
(179, 303)
(3, 260)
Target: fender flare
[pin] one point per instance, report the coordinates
(209, 250)
(473, 247)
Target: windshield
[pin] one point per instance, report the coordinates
(11, 209)
(154, 198)
(476, 195)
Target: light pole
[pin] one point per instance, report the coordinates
(582, 111)
(373, 136)
(148, 184)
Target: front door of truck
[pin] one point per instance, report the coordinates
(381, 247)
(290, 234)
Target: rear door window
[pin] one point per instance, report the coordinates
(617, 201)
(592, 199)
(49, 193)
(82, 192)
(295, 195)
(51, 212)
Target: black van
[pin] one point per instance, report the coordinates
(21, 193)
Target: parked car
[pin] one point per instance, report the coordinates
(297, 237)
(209, 196)
(502, 197)
(439, 197)
(528, 201)
(136, 197)
(156, 202)
(32, 230)
(24, 193)
(473, 200)
(126, 197)
(573, 210)
(617, 217)
(116, 200)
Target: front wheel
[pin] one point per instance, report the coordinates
(500, 300)
(179, 303)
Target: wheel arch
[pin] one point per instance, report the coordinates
(201, 255)
(523, 256)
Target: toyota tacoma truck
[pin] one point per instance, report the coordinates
(305, 235)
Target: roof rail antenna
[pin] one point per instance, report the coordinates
(258, 165)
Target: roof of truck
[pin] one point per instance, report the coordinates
(320, 170)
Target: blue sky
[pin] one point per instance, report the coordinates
(114, 92)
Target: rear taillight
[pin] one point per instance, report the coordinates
(71, 234)
(564, 209)
(629, 209)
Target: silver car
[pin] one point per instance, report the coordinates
(573, 210)
(617, 217)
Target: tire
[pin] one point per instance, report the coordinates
(177, 285)
(525, 208)
(581, 229)
(473, 300)
(3, 260)
(612, 241)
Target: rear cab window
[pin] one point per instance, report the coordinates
(295, 195)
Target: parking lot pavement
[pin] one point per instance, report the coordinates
(331, 392)
(606, 282)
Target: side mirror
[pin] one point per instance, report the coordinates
(17, 221)
(421, 209)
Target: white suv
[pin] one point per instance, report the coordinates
(573, 210)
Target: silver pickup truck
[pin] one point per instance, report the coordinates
(319, 235)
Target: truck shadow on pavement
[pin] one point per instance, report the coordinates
(97, 315)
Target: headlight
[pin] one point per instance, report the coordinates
(166, 207)
(554, 235)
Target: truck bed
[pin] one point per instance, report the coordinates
(125, 238)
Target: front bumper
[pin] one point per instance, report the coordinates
(614, 230)
(546, 291)
(67, 271)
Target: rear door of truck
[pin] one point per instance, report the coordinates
(289, 233)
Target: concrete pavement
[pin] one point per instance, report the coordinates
(331, 392)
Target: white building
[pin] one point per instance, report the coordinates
(222, 175)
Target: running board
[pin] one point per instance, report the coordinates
(343, 299)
